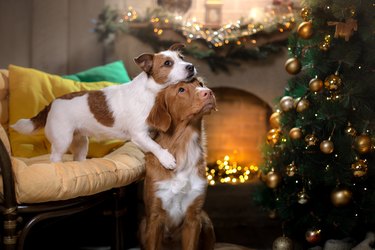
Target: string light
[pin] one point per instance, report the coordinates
(224, 35)
(227, 171)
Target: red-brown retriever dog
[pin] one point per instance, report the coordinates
(174, 199)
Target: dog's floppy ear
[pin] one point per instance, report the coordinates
(177, 47)
(145, 62)
(159, 118)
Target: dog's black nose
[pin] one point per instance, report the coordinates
(190, 68)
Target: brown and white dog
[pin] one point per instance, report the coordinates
(174, 199)
(115, 112)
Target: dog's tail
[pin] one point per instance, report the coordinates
(29, 126)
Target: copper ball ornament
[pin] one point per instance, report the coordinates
(303, 198)
(275, 120)
(349, 130)
(291, 169)
(293, 66)
(305, 30)
(273, 179)
(341, 197)
(359, 168)
(286, 103)
(295, 133)
(315, 85)
(311, 140)
(282, 243)
(362, 144)
(332, 82)
(313, 236)
(327, 146)
(273, 136)
(302, 105)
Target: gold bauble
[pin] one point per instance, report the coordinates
(315, 84)
(332, 82)
(326, 146)
(291, 169)
(286, 103)
(303, 198)
(273, 136)
(324, 46)
(305, 30)
(311, 140)
(302, 105)
(341, 197)
(349, 130)
(305, 13)
(295, 133)
(275, 120)
(363, 144)
(273, 179)
(359, 168)
(282, 243)
(313, 236)
(293, 66)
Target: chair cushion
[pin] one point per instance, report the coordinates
(38, 180)
(30, 91)
(111, 72)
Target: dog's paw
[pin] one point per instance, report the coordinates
(167, 160)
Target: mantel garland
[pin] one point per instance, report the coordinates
(219, 47)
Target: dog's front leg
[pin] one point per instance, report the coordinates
(190, 232)
(148, 145)
(154, 233)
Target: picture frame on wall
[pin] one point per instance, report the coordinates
(213, 15)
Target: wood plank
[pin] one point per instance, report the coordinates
(84, 50)
(15, 33)
(50, 36)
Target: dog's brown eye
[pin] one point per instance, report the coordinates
(200, 84)
(168, 63)
(181, 90)
(181, 57)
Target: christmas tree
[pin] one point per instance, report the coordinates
(319, 170)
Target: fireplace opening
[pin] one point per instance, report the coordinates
(235, 135)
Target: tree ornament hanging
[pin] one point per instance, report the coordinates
(346, 29)
(275, 120)
(327, 146)
(295, 133)
(359, 168)
(311, 140)
(286, 103)
(326, 44)
(302, 105)
(282, 243)
(291, 169)
(293, 66)
(341, 196)
(349, 130)
(303, 198)
(333, 82)
(305, 30)
(362, 144)
(273, 179)
(313, 236)
(315, 84)
(273, 136)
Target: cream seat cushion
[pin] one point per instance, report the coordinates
(38, 180)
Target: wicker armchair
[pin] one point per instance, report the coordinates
(33, 190)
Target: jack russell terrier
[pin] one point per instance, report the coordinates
(115, 112)
(174, 218)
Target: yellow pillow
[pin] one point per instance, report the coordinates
(30, 91)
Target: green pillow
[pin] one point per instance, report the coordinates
(112, 72)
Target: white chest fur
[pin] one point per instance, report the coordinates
(178, 193)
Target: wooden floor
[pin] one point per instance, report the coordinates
(237, 219)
